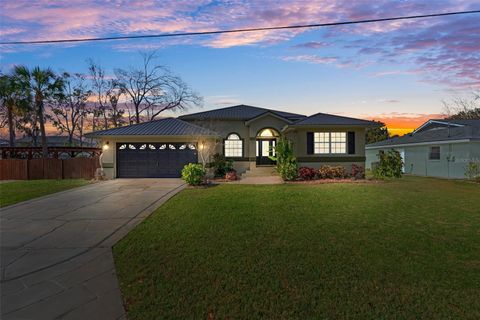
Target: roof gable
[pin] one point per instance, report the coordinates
(443, 123)
(268, 114)
(240, 112)
(161, 127)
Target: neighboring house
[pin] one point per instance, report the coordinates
(53, 141)
(4, 143)
(245, 134)
(438, 148)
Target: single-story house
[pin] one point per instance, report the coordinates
(438, 148)
(245, 134)
(54, 141)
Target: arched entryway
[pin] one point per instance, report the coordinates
(265, 146)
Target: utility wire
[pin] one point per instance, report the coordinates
(183, 34)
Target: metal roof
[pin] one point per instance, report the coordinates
(240, 112)
(330, 119)
(433, 135)
(161, 127)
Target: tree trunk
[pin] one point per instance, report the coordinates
(137, 114)
(11, 127)
(42, 129)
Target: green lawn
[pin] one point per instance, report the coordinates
(402, 249)
(17, 191)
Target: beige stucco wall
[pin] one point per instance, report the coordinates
(247, 131)
(299, 138)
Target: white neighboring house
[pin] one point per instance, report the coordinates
(438, 148)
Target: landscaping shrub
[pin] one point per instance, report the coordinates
(231, 175)
(389, 166)
(193, 174)
(473, 171)
(288, 171)
(332, 172)
(357, 172)
(220, 165)
(287, 166)
(307, 173)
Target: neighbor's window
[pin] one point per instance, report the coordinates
(330, 142)
(233, 146)
(434, 153)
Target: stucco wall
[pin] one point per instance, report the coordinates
(454, 158)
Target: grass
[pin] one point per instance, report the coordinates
(402, 249)
(17, 191)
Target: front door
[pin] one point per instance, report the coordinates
(265, 149)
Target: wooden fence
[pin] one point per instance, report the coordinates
(48, 168)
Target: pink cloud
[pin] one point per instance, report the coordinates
(443, 50)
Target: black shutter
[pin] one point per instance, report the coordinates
(351, 142)
(309, 142)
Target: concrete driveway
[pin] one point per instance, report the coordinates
(56, 258)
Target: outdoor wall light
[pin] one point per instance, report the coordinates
(105, 146)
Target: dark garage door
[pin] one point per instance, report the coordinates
(154, 160)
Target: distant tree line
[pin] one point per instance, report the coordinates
(76, 103)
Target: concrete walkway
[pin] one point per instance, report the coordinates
(56, 258)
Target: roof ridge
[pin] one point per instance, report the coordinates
(261, 109)
(332, 115)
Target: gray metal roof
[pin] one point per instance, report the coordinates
(330, 119)
(161, 127)
(470, 132)
(240, 112)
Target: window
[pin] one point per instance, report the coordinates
(267, 133)
(329, 142)
(233, 146)
(434, 153)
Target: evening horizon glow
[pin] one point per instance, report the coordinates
(397, 72)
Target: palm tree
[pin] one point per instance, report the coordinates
(44, 85)
(13, 100)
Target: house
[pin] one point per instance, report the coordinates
(4, 143)
(53, 141)
(245, 134)
(438, 148)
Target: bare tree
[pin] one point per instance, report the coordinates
(153, 89)
(99, 87)
(209, 142)
(69, 111)
(463, 108)
(107, 94)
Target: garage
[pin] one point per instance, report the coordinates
(154, 160)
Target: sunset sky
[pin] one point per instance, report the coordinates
(397, 72)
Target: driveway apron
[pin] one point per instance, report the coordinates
(56, 258)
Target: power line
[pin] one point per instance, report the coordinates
(183, 34)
